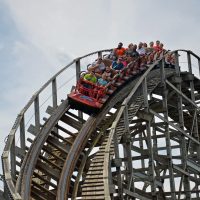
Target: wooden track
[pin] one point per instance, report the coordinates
(51, 167)
(72, 157)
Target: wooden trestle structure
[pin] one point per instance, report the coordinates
(144, 144)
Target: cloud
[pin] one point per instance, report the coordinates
(61, 24)
(83, 26)
(1, 46)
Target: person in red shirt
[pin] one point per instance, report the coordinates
(162, 47)
(157, 46)
(119, 51)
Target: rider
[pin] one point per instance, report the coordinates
(103, 80)
(157, 47)
(98, 67)
(90, 77)
(117, 65)
(119, 51)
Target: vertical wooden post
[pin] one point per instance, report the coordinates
(127, 147)
(177, 68)
(54, 93)
(78, 71)
(22, 134)
(189, 62)
(167, 132)
(192, 89)
(149, 142)
(100, 54)
(37, 114)
(194, 126)
(13, 159)
(184, 179)
(199, 66)
(118, 169)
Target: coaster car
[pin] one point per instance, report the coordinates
(87, 97)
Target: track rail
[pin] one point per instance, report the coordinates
(55, 163)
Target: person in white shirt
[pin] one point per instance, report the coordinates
(141, 50)
(98, 67)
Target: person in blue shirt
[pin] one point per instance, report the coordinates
(117, 65)
(102, 81)
(102, 87)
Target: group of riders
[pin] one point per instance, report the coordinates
(107, 73)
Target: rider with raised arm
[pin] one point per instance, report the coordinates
(98, 67)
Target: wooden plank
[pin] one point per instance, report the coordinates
(47, 191)
(58, 145)
(71, 122)
(135, 195)
(55, 174)
(44, 179)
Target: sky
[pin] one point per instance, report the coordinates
(38, 38)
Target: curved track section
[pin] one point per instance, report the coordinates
(153, 146)
(144, 144)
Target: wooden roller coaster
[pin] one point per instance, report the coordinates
(143, 144)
